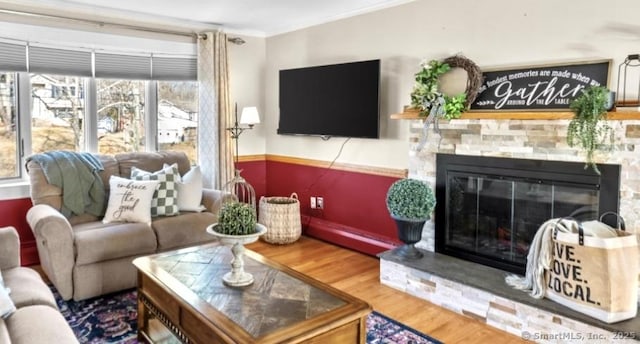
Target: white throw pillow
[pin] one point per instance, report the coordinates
(190, 190)
(165, 199)
(130, 200)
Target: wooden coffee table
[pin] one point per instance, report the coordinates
(181, 297)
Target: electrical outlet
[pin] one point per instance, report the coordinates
(312, 201)
(320, 202)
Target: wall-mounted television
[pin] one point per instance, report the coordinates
(332, 100)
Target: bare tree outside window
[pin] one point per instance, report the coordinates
(120, 115)
(57, 112)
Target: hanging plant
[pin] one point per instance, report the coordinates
(588, 129)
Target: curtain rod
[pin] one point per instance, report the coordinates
(234, 40)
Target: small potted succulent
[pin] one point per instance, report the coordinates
(237, 225)
(410, 203)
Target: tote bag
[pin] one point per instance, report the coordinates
(593, 275)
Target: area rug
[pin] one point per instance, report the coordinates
(113, 319)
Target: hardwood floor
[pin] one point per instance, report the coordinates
(359, 275)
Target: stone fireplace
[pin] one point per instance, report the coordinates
(490, 208)
(479, 291)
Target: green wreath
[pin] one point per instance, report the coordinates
(427, 97)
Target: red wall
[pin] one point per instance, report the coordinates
(354, 214)
(255, 172)
(14, 213)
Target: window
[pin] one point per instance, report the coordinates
(57, 113)
(55, 98)
(178, 117)
(121, 126)
(9, 157)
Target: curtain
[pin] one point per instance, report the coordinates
(215, 153)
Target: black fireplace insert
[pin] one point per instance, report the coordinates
(489, 208)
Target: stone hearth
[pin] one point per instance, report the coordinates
(479, 292)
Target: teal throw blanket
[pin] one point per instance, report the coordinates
(77, 175)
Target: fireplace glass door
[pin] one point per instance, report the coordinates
(495, 218)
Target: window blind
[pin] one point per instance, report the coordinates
(174, 68)
(119, 66)
(13, 57)
(21, 57)
(59, 61)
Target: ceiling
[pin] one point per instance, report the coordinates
(252, 17)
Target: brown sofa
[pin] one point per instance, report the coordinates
(37, 318)
(84, 257)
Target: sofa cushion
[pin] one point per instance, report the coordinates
(165, 198)
(28, 288)
(130, 200)
(152, 161)
(97, 242)
(4, 332)
(183, 230)
(37, 325)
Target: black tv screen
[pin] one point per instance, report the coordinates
(332, 100)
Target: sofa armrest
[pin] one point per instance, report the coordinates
(54, 237)
(213, 199)
(9, 248)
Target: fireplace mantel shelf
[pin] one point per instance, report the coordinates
(412, 113)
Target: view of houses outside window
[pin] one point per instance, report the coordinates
(8, 125)
(120, 115)
(178, 117)
(57, 112)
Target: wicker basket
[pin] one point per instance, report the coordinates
(281, 215)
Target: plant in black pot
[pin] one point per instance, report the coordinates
(237, 226)
(410, 203)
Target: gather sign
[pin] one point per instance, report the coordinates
(545, 87)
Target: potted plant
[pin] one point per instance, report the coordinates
(588, 129)
(410, 203)
(237, 225)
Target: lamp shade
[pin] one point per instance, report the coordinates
(249, 116)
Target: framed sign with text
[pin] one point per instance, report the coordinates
(539, 88)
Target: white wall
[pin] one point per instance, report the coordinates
(246, 69)
(491, 32)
